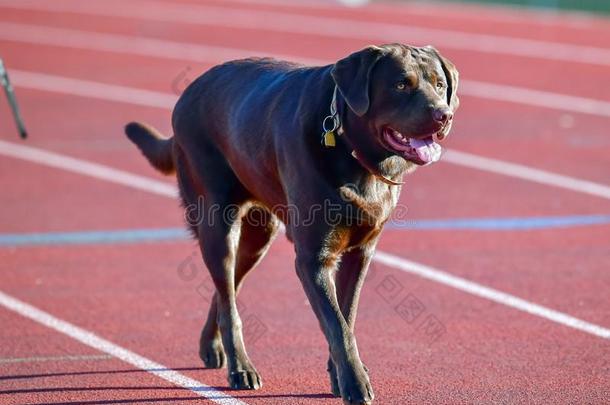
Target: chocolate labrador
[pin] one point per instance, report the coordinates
(323, 150)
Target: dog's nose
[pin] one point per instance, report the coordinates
(442, 115)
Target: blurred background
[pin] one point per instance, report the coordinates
(584, 5)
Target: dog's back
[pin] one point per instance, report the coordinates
(243, 95)
(243, 111)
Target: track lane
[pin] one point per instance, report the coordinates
(583, 81)
(478, 356)
(528, 264)
(465, 12)
(336, 27)
(515, 22)
(63, 381)
(537, 74)
(70, 202)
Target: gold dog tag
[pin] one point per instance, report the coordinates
(329, 139)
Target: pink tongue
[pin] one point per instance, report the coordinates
(427, 150)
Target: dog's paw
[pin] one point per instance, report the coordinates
(355, 387)
(245, 380)
(359, 396)
(212, 353)
(334, 382)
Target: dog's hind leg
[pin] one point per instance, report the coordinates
(219, 241)
(207, 182)
(258, 229)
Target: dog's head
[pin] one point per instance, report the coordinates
(404, 96)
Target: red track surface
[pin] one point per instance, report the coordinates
(133, 295)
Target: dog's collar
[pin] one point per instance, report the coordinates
(375, 173)
(331, 125)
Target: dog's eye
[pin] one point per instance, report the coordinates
(440, 85)
(401, 86)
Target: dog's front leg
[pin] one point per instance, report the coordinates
(315, 270)
(349, 280)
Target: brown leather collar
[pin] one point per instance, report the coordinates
(376, 173)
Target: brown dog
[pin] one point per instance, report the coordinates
(248, 139)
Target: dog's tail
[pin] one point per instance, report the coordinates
(154, 146)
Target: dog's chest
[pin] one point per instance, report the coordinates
(367, 211)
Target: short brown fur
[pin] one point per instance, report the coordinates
(247, 136)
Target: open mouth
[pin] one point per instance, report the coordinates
(420, 151)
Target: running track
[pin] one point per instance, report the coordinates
(503, 259)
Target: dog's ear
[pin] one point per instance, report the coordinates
(352, 75)
(452, 75)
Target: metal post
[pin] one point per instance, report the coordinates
(10, 94)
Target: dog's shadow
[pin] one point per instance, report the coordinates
(230, 393)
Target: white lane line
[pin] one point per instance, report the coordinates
(488, 293)
(38, 359)
(526, 173)
(283, 22)
(90, 169)
(538, 98)
(92, 340)
(414, 268)
(130, 45)
(163, 100)
(91, 89)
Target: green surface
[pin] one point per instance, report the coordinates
(593, 6)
